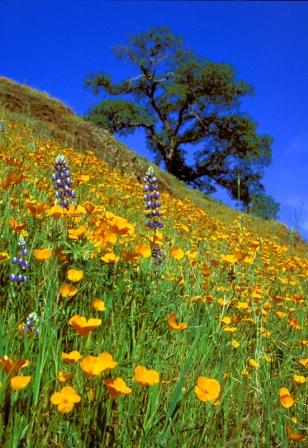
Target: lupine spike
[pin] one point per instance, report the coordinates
(151, 190)
(22, 264)
(62, 183)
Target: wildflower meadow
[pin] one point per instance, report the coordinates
(133, 318)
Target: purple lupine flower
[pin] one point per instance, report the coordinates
(31, 326)
(61, 177)
(21, 262)
(152, 212)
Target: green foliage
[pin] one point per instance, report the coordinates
(182, 100)
(264, 206)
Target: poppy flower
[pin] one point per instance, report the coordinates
(299, 379)
(294, 436)
(173, 325)
(110, 258)
(75, 212)
(4, 256)
(146, 377)
(42, 254)
(83, 326)
(56, 211)
(13, 178)
(74, 275)
(286, 400)
(82, 177)
(304, 362)
(107, 236)
(76, 234)
(65, 399)
(235, 344)
(253, 363)
(15, 226)
(96, 365)
(19, 382)
(177, 253)
(67, 291)
(116, 387)
(11, 367)
(207, 389)
(98, 305)
(64, 377)
(35, 208)
(72, 357)
(143, 251)
(230, 259)
(226, 320)
(230, 329)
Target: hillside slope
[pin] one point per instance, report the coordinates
(51, 118)
(190, 335)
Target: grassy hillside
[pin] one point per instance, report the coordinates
(103, 345)
(51, 118)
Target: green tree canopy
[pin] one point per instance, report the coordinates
(189, 108)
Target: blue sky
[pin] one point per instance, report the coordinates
(54, 45)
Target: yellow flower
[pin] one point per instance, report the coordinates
(300, 379)
(146, 377)
(19, 382)
(72, 357)
(110, 258)
(230, 329)
(235, 344)
(42, 254)
(98, 305)
(65, 399)
(207, 389)
(226, 320)
(67, 291)
(173, 325)
(253, 363)
(286, 400)
(65, 377)
(294, 436)
(304, 362)
(96, 365)
(116, 386)
(177, 253)
(11, 367)
(74, 275)
(83, 326)
(76, 234)
(143, 251)
(4, 256)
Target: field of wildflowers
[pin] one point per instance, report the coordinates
(131, 318)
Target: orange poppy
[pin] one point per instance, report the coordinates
(72, 357)
(146, 377)
(64, 377)
(42, 254)
(98, 305)
(83, 326)
(11, 367)
(294, 436)
(68, 291)
(19, 382)
(65, 399)
(286, 400)
(207, 389)
(173, 325)
(96, 365)
(74, 275)
(116, 387)
(177, 253)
